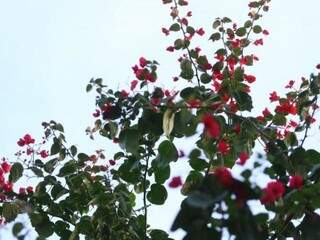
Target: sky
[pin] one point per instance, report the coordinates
(51, 49)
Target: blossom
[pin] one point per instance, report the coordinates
(296, 182)
(7, 186)
(175, 182)
(224, 176)
(165, 31)
(258, 42)
(170, 49)
(266, 112)
(142, 62)
(265, 32)
(274, 97)
(243, 157)
(22, 191)
(200, 31)
(249, 78)
(26, 140)
(272, 192)
(211, 126)
(44, 153)
(133, 84)
(286, 108)
(290, 84)
(223, 147)
(96, 113)
(30, 189)
(6, 167)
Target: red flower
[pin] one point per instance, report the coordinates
(28, 139)
(22, 191)
(272, 192)
(44, 153)
(200, 31)
(7, 187)
(170, 49)
(290, 84)
(133, 84)
(155, 101)
(189, 14)
(266, 112)
(224, 176)
(243, 157)
(211, 126)
(274, 97)
(265, 32)
(165, 31)
(6, 167)
(296, 182)
(223, 147)
(30, 189)
(124, 94)
(258, 42)
(175, 182)
(249, 78)
(142, 62)
(286, 108)
(96, 113)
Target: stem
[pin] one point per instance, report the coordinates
(187, 48)
(145, 207)
(307, 123)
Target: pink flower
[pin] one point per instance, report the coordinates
(142, 62)
(296, 182)
(96, 113)
(274, 97)
(6, 167)
(44, 153)
(249, 78)
(133, 84)
(22, 191)
(175, 182)
(200, 32)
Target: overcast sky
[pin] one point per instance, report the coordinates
(50, 50)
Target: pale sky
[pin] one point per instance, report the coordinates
(50, 50)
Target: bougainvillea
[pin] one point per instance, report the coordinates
(79, 195)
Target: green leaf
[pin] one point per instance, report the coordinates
(257, 29)
(10, 211)
(55, 148)
(58, 191)
(129, 140)
(50, 165)
(175, 27)
(73, 150)
(42, 224)
(215, 36)
(68, 169)
(157, 195)
(205, 78)
(58, 127)
(15, 172)
(161, 174)
(167, 152)
(17, 228)
(241, 31)
(244, 101)
(89, 87)
(37, 171)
